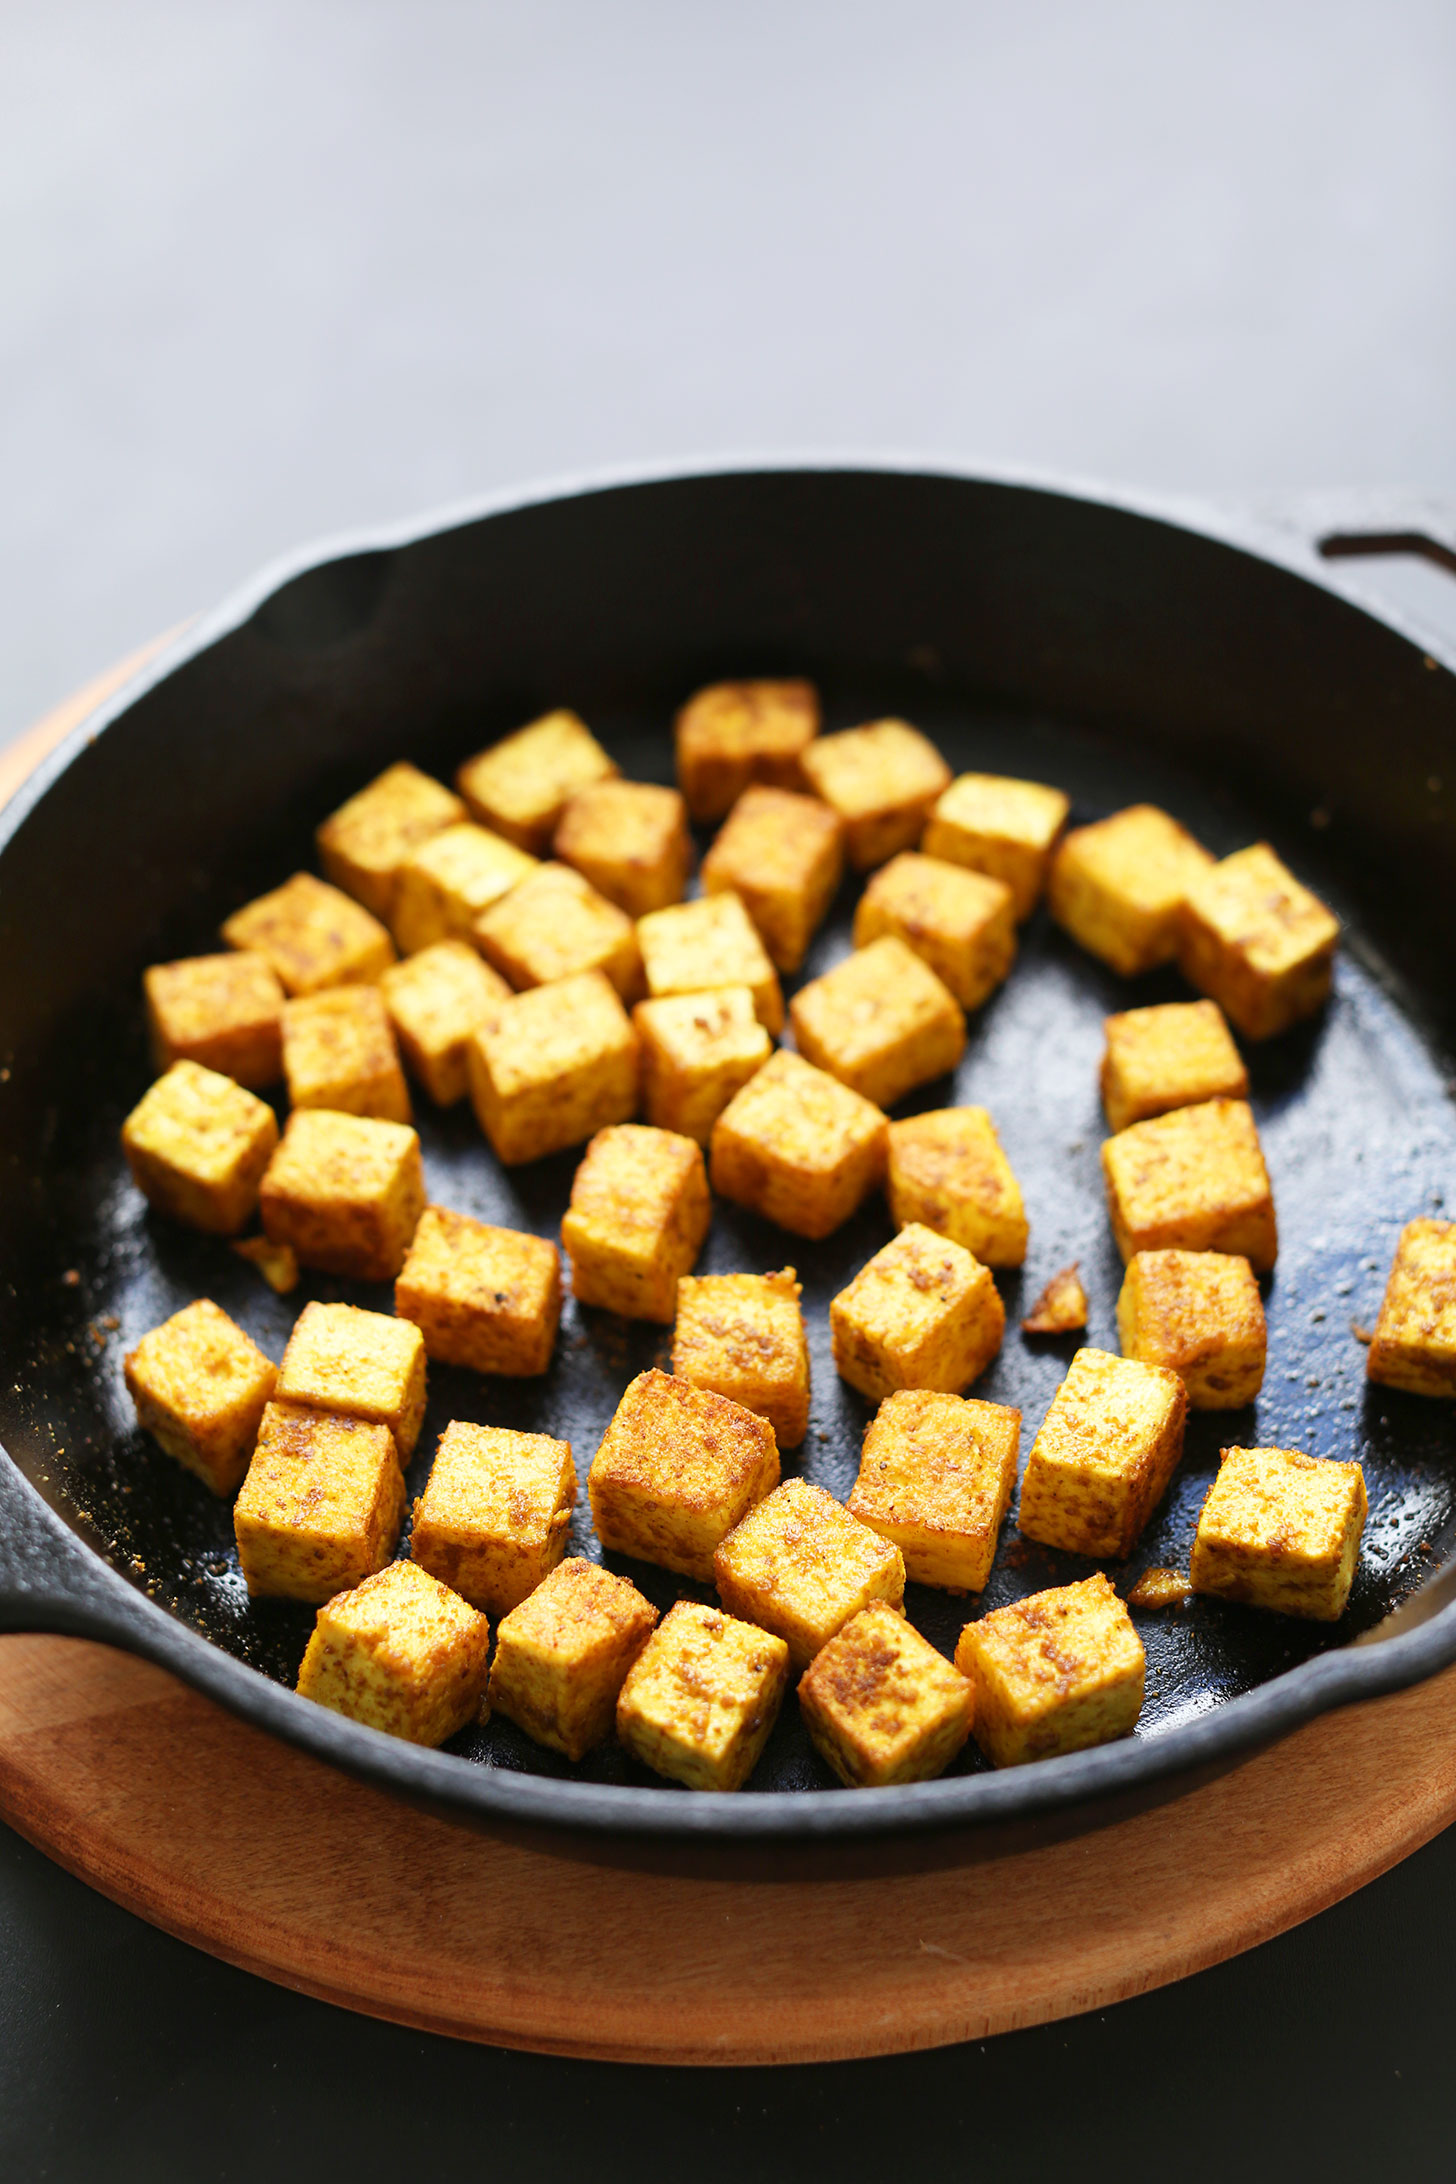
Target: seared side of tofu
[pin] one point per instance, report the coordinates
(798, 1147)
(946, 1171)
(880, 1021)
(800, 1565)
(882, 780)
(314, 936)
(436, 1000)
(923, 1313)
(1281, 1530)
(881, 1705)
(701, 1697)
(1414, 1346)
(1105, 1455)
(1055, 1673)
(698, 1049)
(200, 1385)
(677, 1469)
(1192, 1180)
(961, 923)
(345, 1193)
(1176, 1055)
(321, 1506)
(365, 842)
(401, 1653)
(1003, 827)
(558, 1063)
(495, 1515)
(339, 1053)
(638, 1215)
(554, 925)
(360, 1364)
(197, 1145)
(631, 840)
(223, 1011)
(1119, 886)
(733, 733)
(1258, 942)
(521, 786)
(936, 1476)
(562, 1656)
(782, 854)
(1200, 1314)
(742, 1335)
(483, 1297)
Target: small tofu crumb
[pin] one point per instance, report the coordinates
(275, 1262)
(1161, 1589)
(1062, 1306)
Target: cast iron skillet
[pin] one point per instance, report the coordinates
(1119, 649)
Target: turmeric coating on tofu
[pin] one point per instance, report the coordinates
(1062, 1306)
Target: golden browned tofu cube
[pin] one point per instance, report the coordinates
(450, 881)
(339, 1052)
(935, 1476)
(882, 780)
(946, 1171)
(436, 999)
(1261, 944)
(880, 1021)
(224, 1011)
(631, 840)
(922, 1314)
(801, 1566)
(702, 1696)
(401, 1653)
(782, 854)
(495, 1515)
(562, 1656)
(313, 935)
(556, 1064)
(555, 925)
(366, 841)
(677, 1469)
(345, 1192)
(522, 784)
(742, 1335)
(1107, 1449)
(957, 921)
(638, 1214)
(699, 947)
(360, 1364)
(1002, 827)
(698, 1049)
(321, 1506)
(1414, 1346)
(1280, 1530)
(1200, 1314)
(1054, 1673)
(1118, 887)
(881, 1705)
(733, 733)
(199, 1385)
(798, 1147)
(487, 1298)
(1173, 1056)
(197, 1145)
(1192, 1180)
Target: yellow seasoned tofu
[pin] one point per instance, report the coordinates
(880, 1021)
(1062, 1306)
(1054, 1673)
(1003, 827)
(1176, 1055)
(450, 881)
(702, 1696)
(495, 1516)
(959, 922)
(946, 1171)
(798, 1147)
(321, 1506)
(313, 935)
(742, 1335)
(275, 1262)
(486, 1298)
(197, 1145)
(360, 1364)
(882, 1706)
(555, 925)
(558, 1063)
(222, 1011)
(401, 1653)
(801, 1566)
(562, 1656)
(676, 1470)
(698, 1049)
(1258, 942)
(882, 780)
(631, 840)
(1280, 1530)
(1192, 1180)
(199, 1385)
(345, 1192)
(339, 1052)
(935, 1476)
(366, 841)
(921, 1314)
(782, 854)
(1414, 1346)
(1118, 887)
(1200, 1314)
(1105, 1455)
(436, 999)
(733, 733)
(699, 947)
(521, 785)
(638, 1214)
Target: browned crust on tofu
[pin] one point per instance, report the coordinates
(638, 1215)
(881, 1705)
(880, 1021)
(742, 1336)
(732, 733)
(483, 1297)
(1106, 1452)
(1192, 1180)
(1062, 1306)
(562, 1656)
(401, 1653)
(200, 1386)
(677, 1469)
(1258, 941)
(798, 1147)
(701, 1697)
(224, 1011)
(1281, 1530)
(1200, 1314)
(783, 855)
(1414, 1344)
(345, 1192)
(197, 1145)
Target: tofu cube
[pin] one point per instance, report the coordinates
(436, 999)
(1192, 1180)
(742, 1335)
(359, 1364)
(800, 1566)
(222, 1011)
(638, 1214)
(631, 840)
(1415, 1336)
(313, 935)
(1261, 944)
(677, 1469)
(495, 1515)
(562, 1656)
(733, 733)
(935, 1476)
(882, 780)
(1054, 1673)
(1199, 1313)
(321, 1506)
(782, 854)
(880, 1021)
(1280, 1530)
(698, 1049)
(882, 1706)
(555, 925)
(1118, 887)
(946, 1171)
(521, 785)
(557, 1064)
(798, 1147)
(366, 841)
(959, 922)
(197, 1145)
(339, 1052)
(922, 1314)
(200, 1385)
(1005, 828)
(699, 947)
(1106, 1452)
(345, 1192)
(401, 1653)
(702, 1696)
(450, 881)
(486, 1298)
(1174, 1056)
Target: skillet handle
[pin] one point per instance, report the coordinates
(48, 1579)
(1355, 525)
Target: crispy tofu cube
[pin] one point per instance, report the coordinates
(321, 1506)
(1106, 1452)
(699, 947)
(487, 1298)
(638, 1214)
(676, 1470)
(733, 733)
(742, 1335)
(881, 1705)
(782, 854)
(1256, 940)
(1005, 828)
(555, 925)
(1200, 1314)
(702, 1696)
(1118, 887)
(880, 1021)
(401, 1653)
(1415, 1336)
(495, 1515)
(882, 780)
(197, 1145)
(522, 785)
(199, 1385)
(223, 1011)
(1280, 1530)
(562, 1656)
(1054, 1673)
(1173, 1056)
(922, 1314)
(798, 1147)
(359, 1364)
(366, 841)
(450, 881)
(947, 1172)
(935, 1477)
(959, 922)
(345, 1192)
(313, 935)
(631, 840)
(339, 1052)
(557, 1064)
(1192, 1180)
(698, 1049)
(436, 999)
(801, 1566)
